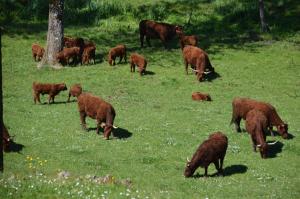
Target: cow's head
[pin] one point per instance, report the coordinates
(263, 149)
(63, 87)
(189, 169)
(178, 30)
(283, 130)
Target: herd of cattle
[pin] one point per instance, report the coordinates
(259, 117)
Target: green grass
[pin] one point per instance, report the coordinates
(161, 124)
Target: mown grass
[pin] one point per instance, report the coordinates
(159, 123)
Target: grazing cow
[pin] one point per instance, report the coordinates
(75, 91)
(139, 61)
(257, 126)
(197, 96)
(241, 106)
(212, 150)
(186, 40)
(155, 30)
(70, 42)
(118, 51)
(88, 55)
(51, 89)
(66, 54)
(37, 52)
(7, 140)
(96, 108)
(198, 60)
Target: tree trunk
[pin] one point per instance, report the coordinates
(264, 25)
(55, 34)
(1, 108)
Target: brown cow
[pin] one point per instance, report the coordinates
(155, 30)
(257, 126)
(96, 108)
(197, 96)
(7, 140)
(139, 61)
(37, 52)
(241, 106)
(118, 51)
(212, 150)
(187, 40)
(66, 54)
(88, 55)
(198, 60)
(46, 88)
(75, 91)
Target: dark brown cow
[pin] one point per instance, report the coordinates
(212, 150)
(7, 140)
(257, 126)
(96, 108)
(156, 30)
(198, 59)
(197, 96)
(45, 88)
(139, 61)
(37, 52)
(70, 42)
(66, 54)
(241, 106)
(75, 91)
(118, 51)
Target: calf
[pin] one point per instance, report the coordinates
(197, 96)
(7, 140)
(51, 89)
(96, 108)
(257, 126)
(88, 55)
(75, 91)
(187, 40)
(66, 54)
(139, 61)
(37, 52)
(198, 59)
(212, 150)
(118, 51)
(151, 29)
(241, 106)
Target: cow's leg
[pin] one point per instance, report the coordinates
(53, 96)
(38, 98)
(82, 120)
(186, 66)
(216, 163)
(121, 57)
(221, 164)
(49, 98)
(148, 41)
(142, 40)
(107, 131)
(271, 131)
(253, 142)
(69, 97)
(205, 174)
(114, 61)
(98, 126)
(237, 123)
(132, 67)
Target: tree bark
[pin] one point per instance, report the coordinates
(264, 25)
(1, 108)
(55, 34)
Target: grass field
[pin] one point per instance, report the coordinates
(160, 126)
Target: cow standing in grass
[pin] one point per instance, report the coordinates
(156, 30)
(96, 108)
(45, 88)
(210, 151)
(241, 106)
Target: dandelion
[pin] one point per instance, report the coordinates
(45, 161)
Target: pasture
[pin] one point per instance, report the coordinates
(159, 124)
